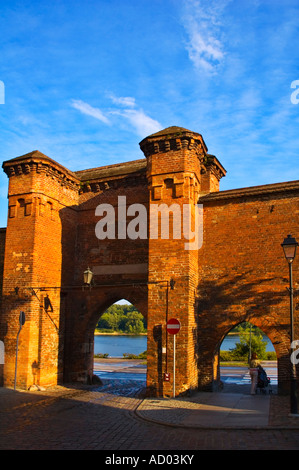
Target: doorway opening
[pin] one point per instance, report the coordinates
(120, 344)
(236, 350)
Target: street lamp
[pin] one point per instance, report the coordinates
(88, 275)
(289, 246)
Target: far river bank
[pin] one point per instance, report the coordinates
(117, 345)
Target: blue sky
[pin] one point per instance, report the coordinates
(86, 81)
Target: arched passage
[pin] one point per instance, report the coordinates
(122, 322)
(249, 339)
(84, 310)
(120, 343)
(275, 351)
(235, 352)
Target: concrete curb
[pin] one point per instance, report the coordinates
(140, 415)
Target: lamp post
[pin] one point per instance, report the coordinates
(88, 275)
(289, 246)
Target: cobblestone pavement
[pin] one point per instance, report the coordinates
(104, 418)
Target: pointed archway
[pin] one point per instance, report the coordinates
(120, 343)
(236, 349)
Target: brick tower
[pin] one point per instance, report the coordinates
(178, 170)
(39, 189)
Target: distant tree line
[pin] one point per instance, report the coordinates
(122, 319)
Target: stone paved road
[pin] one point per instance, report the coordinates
(104, 419)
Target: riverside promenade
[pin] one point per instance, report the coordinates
(116, 417)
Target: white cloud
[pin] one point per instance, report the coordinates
(203, 27)
(143, 124)
(204, 52)
(137, 118)
(125, 101)
(85, 108)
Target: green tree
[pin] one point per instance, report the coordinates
(109, 320)
(249, 341)
(133, 323)
(124, 318)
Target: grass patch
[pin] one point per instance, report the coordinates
(231, 357)
(142, 355)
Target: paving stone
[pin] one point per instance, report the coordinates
(105, 418)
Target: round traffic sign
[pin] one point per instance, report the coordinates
(173, 326)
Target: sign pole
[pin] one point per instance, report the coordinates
(174, 366)
(21, 321)
(173, 327)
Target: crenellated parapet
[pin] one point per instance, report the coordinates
(212, 171)
(36, 163)
(112, 177)
(183, 155)
(173, 139)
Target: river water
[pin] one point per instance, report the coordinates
(117, 345)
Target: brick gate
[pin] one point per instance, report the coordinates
(233, 271)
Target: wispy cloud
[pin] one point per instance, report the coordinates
(142, 123)
(85, 108)
(202, 23)
(124, 100)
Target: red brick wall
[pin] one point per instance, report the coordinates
(243, 274)
(51, 241)
(2, 249)
(39, 189)
(119, 267)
